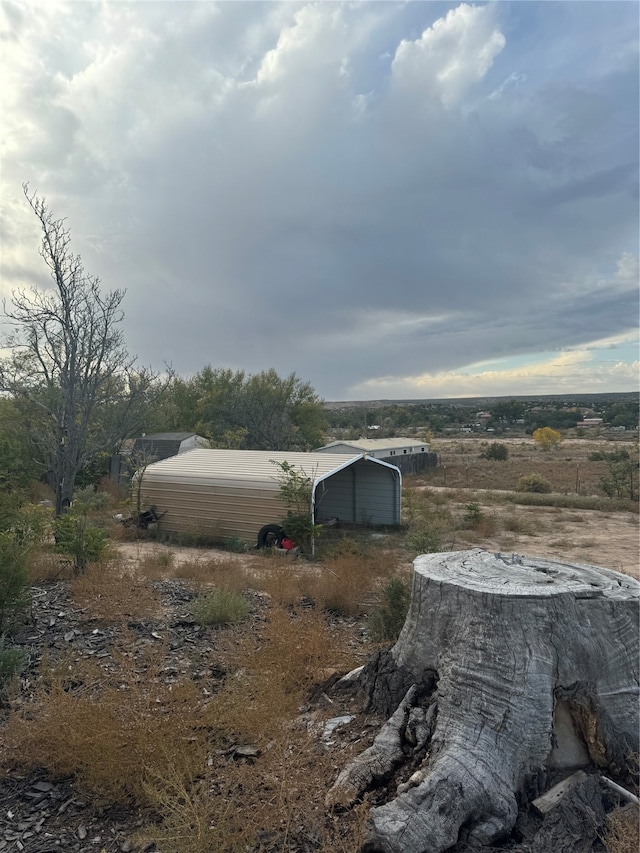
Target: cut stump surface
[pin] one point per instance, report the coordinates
(507, 669)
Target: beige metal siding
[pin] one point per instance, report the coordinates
(216, 511)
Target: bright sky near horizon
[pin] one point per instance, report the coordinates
(392, 199)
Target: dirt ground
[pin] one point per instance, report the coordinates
(607, 539)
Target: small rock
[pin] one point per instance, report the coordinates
(82, 832)
(42, 786)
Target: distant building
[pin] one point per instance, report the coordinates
(135, 453)
(591, 423)
(409, 455)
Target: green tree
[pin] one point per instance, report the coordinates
(547, 438)
(255, 412)
(19, 466)
(508, 411)
(622, 476)
(622, 414)
(76, 387)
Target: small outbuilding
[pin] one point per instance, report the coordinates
(408, 454)
(234, 493)
(153, 447)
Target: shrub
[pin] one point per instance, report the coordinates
(33, 525)
(77, 536)
(427, 540)
(386, 622)
(547, 438)
(497, 451)
(91, 500)
(220, 607)
(12, 661)
(473, 515)
(13, 578)
(534, 483)
(235, 545)
(296, 489)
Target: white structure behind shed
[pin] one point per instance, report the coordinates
(377, 448)
(410, 455)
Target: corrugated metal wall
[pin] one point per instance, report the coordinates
(363, 493)
(220, 511)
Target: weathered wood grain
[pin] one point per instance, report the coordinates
(493, 649)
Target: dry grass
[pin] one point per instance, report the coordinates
(343, 582)
(282, 580)
(112, 594)
(275, 671)
(622, 834)
(224, 572)
(569, 470)
(129, 738)
(111, 734)
(273, 801)
(45, 565)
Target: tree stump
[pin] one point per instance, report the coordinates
(507, 668)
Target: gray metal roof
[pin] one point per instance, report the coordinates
(371, 444)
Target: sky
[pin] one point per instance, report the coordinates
(394, 200)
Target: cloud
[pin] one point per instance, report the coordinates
(349, 191)
(451, 56)
(573, 372)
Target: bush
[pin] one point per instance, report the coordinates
(296, 489)
(473, 515)
(12, 661)
(386, 622)
(77, 536)
(496, 451)
(220, 607)
(547, 438)
(13, 577)
(33, 525)
(92, 500)
(234, 544)
(428, 540)
(534, 483)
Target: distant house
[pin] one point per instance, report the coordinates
(591, 423)
(408, 454)
(135, 453)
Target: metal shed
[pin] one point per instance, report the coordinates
(410, 455)
(236, 492)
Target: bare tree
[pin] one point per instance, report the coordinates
(78, 388)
